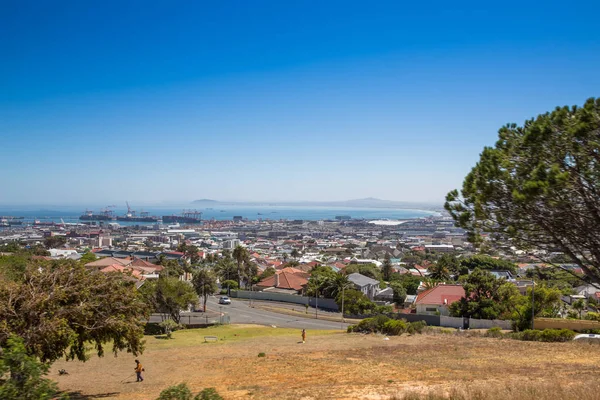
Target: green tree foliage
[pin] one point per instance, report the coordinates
(295, 253)
(579, 305)
(450, 263)
(482, 297)
(169, 326)
(270, 271)
(169, 296)
(399, 292)
(87, 258)
(226, 269)
(486, 262)
(22, 375)
(554, 277)
(547, 304)
(439, 272)
(355, 302)
(229, 284)
(413, 258)
(387, 269)
(370, 270)
(60, 308)
(205, 284)
(240, 255)
(538, 187)
(12, 247)
(320, 281)
(171, 268)
(411, 283)
(53, 242)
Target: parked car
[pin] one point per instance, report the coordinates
(587, 336)
(224, 300)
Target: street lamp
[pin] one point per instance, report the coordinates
(343, 287)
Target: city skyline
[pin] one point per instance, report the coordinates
(274, 102)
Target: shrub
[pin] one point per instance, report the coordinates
(208, 394)
(557, 335)
(384, 309)
(495, 332)
(261, 354)
(177, 392)
(371, 325)
(447, 331)
(182, 392)
(530, 335)
(547, 335)
(416, 327)
(394, 327)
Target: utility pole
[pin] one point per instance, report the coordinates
(532, 303)
(317, 303)
(343, 287)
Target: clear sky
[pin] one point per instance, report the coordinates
(274, 100)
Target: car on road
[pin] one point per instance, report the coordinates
(224, 300)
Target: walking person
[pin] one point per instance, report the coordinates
(138, 370)
(303, 335)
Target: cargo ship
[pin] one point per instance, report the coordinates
(10, 221)
(186, 217)
(131, 216)
(105, 215)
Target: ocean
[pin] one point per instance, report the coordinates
(221, 212)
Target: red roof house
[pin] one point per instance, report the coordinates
(286, 280)
(438, 299)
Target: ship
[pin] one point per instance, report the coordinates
(131, 216)
(105, 215)
(10, 221)
(186, 217)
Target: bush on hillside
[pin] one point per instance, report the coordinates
(416, 327)
(385, 325)
(182, 392)
(208, 394)
(547, 335)
(495, 332)
(395, 327)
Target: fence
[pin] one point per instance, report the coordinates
(572, 324)
(325, 304)
(489, 323)
(452, 322)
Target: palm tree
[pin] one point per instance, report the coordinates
(226, 269)
(337, 284)
(439, 271)
(295, 253)
(240, 254)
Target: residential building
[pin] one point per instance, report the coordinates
(368, 286)
(436, 300)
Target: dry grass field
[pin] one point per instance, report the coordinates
(333, 365)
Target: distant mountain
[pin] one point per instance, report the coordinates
(368, 202)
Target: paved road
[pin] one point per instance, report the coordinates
(241, 313)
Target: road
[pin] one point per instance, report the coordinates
(241, 313)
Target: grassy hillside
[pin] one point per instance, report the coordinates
(343, 366)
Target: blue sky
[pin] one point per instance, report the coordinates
(269, 100)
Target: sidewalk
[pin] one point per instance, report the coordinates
(325, 316)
